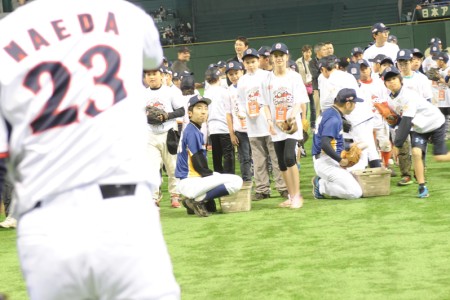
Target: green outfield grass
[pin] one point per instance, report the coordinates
(394, 247)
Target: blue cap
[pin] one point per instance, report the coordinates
(347, 95)
(363, 62)
(379, 27)
(434, 49)
(435, 40)
(357, 50)
(279, 47)
(264, 51)
(196, 99)
(250, 52)
(213, 73)
(404, 54)
(328, 61)
(187, 82)
(390, 72)
(234, 65)
(175, 76)
(417, 52)
(392, 38)
(293, 65)
(441, 56)
(221, 64)
(353, 69)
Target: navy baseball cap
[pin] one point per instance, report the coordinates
(183, 49)
(356, 50)
(293, 65)
(176, 76)
(353, 69)
(392, 38)
(378, 59)
(344, 62)
(416, 52)
(434, 49)
(347, 95)
(363, 62)
(435, 40)
(390, 72)
(264, 51)
(441, 56)
(221, 64)
(328, 61)
(404, 54)
(233, 65)
(279, 47)
(250, 52)
(379, 27)
(212, 73)
(196, 99)
(187, 82)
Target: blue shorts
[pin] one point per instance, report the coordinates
(420, 140)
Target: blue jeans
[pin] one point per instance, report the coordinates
(245, 158)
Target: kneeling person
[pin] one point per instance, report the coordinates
(198, 183)
(333, 180)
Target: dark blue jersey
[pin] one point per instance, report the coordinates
(330, 125)
(191, 142)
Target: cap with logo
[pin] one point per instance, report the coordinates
(347, 95)
(196, 99)
(441, 56)
(357, 50)
(279, 47)
(379, 27)
(212, 73)
(363, 62)
(390, 72)
(435, 40)
(250, 52)
(293, 65)
(233, 65)
(392, 38)
(187, 82)
(353, 69)
(404, 54)
(264, 51)
(434, 49)
(416, 52)
(221, 64)
(328, 62)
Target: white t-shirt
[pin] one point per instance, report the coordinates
(217, 118)
(375, 92)
(282, 93)
(419, 83)
(234, 107)
(426, 116)
(250, 94)
(74, 99)
(443, 101)
(331, 87)
(428, 63)
(167, 99)
(389, 49)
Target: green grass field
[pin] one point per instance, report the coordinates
(394, 247)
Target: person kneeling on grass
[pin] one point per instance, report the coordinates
(198, 184)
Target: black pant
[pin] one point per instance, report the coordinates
(285, 151)
(7, 195)
(312, 112)
(222, 148)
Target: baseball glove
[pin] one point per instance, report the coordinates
(289, 126)
(433, 74)
(352, 155)
(387, 113)
(155, 115)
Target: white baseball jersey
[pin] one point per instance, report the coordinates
(167, 99)
(419, 83)
(443, 88)
(331, 87)
(425, 116)
(389, 49)
(375, 92)
(428, 63)
(74, 103)
(217, 117)
(233, 106)
(282, 93)
(250, 91)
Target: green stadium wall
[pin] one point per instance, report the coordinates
(409, 36)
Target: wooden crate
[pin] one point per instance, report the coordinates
(374, 181)
(240, 201)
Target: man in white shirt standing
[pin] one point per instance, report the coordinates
(380, 34)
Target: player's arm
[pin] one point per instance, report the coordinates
(179, 112)
(325, 144)
(201, 164)
(403, 130)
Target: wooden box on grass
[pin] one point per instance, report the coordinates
(374, 181)
(240, 201)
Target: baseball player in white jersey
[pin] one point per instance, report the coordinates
(443, 101)
(285, 97)
(419, 118)
(71, 92)
(429, 62)
(250, 91)
(380, 34)
(169, 100)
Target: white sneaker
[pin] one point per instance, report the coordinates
(9, 222)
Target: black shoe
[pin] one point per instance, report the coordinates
(284, 194)
(188, 210)
(198, 207)
(260, 196)
(211, 206)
